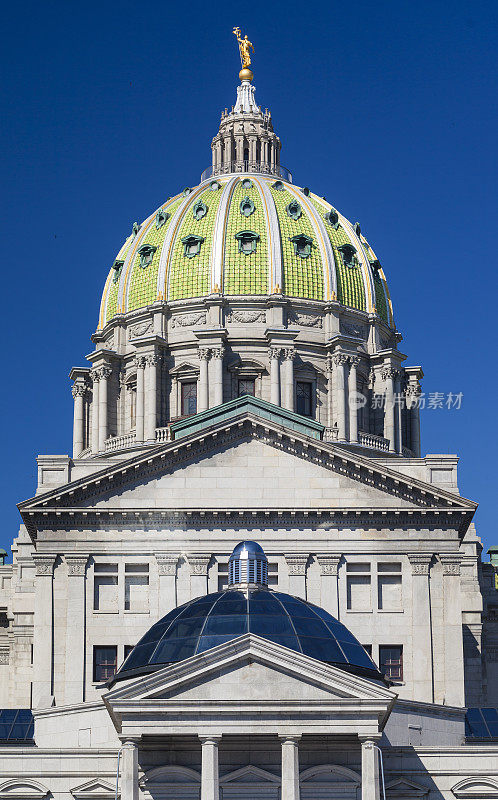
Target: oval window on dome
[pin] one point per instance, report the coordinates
(278, 185)
(146, 254)
(302, 245)
(294, 210)
(200, 210)
(247, 183)
(247, 241)
(247, 207)
(162, 216)
(214, 186)
(348, 255)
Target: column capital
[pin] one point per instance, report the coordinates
(44, 563)
(420, 563)
(354, 360)
(217, 352)
(288, 353)
(205, 739)
(204, 353)
(388, 372)
(274, 352)
(139, 362)
(101, 373)
(339, 359)
(329, 564)
(166, 563)
(130, 741)
(79, 390)
(76, 565)
(296, 563)
(451, 563)
(198, 563)
(370, 741)
(291, 738)
(153, 359)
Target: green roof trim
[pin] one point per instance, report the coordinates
(242, 405)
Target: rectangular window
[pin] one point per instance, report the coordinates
(359, 594)
(389, 586)
(303, 398)
(247, 386)
(105, 587)
(136, 586)
(104, 662)
(189, 398)
(391, 661)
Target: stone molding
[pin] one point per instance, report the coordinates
(297, 564)
(389, 373)
(44, 564)
(307, 320)
(4, 655)
(339, 359)
(76, 565)
(420, 563)
(217, 352)
(79, 390)
(246, 317)
(451, 563)
(329, 564)
(204, 353)
(141, 329)
(188, 320)
(166, 563)
(198, 563)
(354, 360)
(139, 362)
(274, 352)
(152, 360)
(288, 353)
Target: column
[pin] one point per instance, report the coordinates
(78, 392)
(330, 391)
(388, 376)
(340, 360)
(274, 353)
(353, 399)
(227, 143)
(370, 784)
(413, 405)
(199, 563)
(129, 771)
(94, 374)
(216, 375)
(329, 595)
(139, 425)
(166, 567)
(203, 399)
(288, 378)
(105, 374)
(296, 565)
(398, 400)
(151, 362)
(74, 674)
(422, 655)
(210, 775)
(453, 636)
(290, 768)
(43, 631)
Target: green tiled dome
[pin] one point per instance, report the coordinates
(245, 235)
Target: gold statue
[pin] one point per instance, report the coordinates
(245, 45)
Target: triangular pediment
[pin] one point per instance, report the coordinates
(96, 788)
(402, 787)
(247, 463)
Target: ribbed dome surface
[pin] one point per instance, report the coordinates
(208, 621)
(245, 234)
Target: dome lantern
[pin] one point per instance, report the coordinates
(248, 565)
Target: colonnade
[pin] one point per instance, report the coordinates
(290, 784)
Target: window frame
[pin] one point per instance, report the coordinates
(384, 647)
(96, 648)
(182, 385)
(311, 384)
(120, 574)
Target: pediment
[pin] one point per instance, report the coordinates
(96, 788)
(25, 789)
(405, 788)
(211, 470)
(249, 776)
(476, 787)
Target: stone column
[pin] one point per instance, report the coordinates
(330, 391)
(413, 392)
(166, 567)
(288, 378)
(453, 636)
(199, 563)
(370, 783)
(105, 374)
(74, 668)
(296, 565)
(273, 355)
(139, 414)
(398, 400)
(290, 767)
(78, 391)
(329, 570)
(389, 375)
(43, 636)
(422, 656)
(340, 360)
(352, 399)
(151, 362)
(216, 374)
(203, 400)
(94, 374)
(210, 775)
(129, 771)
(227, 144)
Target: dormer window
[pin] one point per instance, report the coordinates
(247, 207)
(146, 253)
(200, 210)
(192, 245)
(247, 183)
(214, 186)
(348, 255)
(186, 191)
(294, 210)
(278, 185)
(247, 241)
(306, 191)
(302, 245)
(118, 268)
(161, 217)
(332, 217)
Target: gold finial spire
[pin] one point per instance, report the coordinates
(245, 45)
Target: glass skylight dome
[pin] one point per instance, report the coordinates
(247, 606)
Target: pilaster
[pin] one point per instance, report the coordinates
(329, 571)
(166, 567)
(198, 563)
(422, 650)
(296, 564)
(74, 679)
(43, 631)
(453, 634)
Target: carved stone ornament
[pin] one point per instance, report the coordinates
(188, 320)
(78, 390)
(420, 563)
(297, 564)
(103, 373)
(141, 328)
(152, 360)
(109, 342)
(76, 565)
(166, 563)
(329, 565)
(4, 655)
(274, 352)
(44, 564)
(198, 564)
(339, 359)
(451, 564)
(246, 317)
(217, 352)
(204, 353)
(307, 320)
(354, 329)
(389, 373)
(139, 362)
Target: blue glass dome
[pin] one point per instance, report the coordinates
(208, 621)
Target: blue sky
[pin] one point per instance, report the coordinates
(387, 108)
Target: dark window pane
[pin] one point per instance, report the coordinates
(476, 723)
(265, 605)
(391, 661)
(355, 654)
(141, 655)
(247, 386)
(292, 642)
(189, 398)
(264, 624)
(185, 627)
(207, 642)
(176, 650)
(368, 648)
(236, 604)
(235, 625)
(310, 627)
(104, 662)
(322, 649)
(303, 398)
